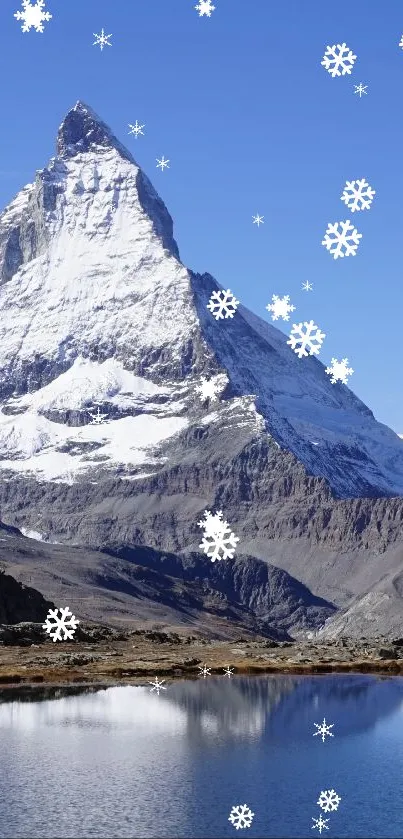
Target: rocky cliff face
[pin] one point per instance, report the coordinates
(101, 310)
(20, 603)
(145, 587)
(104, 437)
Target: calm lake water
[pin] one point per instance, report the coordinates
(126, 762)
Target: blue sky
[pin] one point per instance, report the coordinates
(251, 123)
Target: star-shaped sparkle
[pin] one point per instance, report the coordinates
(258, 220)
(228, 671)
(102, 40)
(204, 671)
(320, 823)
(162, 163)
(360, 89)
(136, 129)
(323, 729)
(157, 685)
(307, 286)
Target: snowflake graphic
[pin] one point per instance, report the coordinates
(204, 671)
(97, 418)
(217, 537)
(220, 546)
(258, 220)
(33, 15)
(358, 195)
(161, 164)
(338, 60)
(306, 336)
(222, 304)
(157, 685)
(280, 307)
(307, 286)
(228, 671)
(323, 729)
(55, 625)
(136, 129)
(361, 89)
(205, 7)
(213, 525)
(339, 371)
(102, 40)
(348, 238)
(208, 389)
(320, 823)
(328, 800)
(241, 816)
(401, 42)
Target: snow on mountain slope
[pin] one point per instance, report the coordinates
(326, 426)
(87, 382)
(29, 443)
(97, 309)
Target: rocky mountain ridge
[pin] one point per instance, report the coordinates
(145, 587)
(308, 479)
(87, 250)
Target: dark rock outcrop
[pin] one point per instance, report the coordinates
(20, 603)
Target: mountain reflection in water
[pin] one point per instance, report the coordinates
(127, 762)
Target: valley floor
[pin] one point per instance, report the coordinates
(140, 656)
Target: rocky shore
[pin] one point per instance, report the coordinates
(107, 656)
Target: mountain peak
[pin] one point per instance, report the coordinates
(96, 306)
(83, 128)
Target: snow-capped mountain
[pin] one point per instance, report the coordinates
(98, 316)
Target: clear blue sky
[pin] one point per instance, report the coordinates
(251, 123)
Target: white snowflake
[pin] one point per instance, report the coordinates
(220, 545)
(97, 418)
(205, 7)
(338, 60)
(339, 371)
(320, 823)
(208, 389)
(33, 15)
(222, 304)
(258, 220)
(328, 800)
(361, 89)
(55, 625)
(102, 40)
(241, 816)
(401, 42)
(136, 129)
(348, 238)
(323, 729)
(157, 685)
(217, 537)
(213, 525)
(307, 286)
(280, 307)
(161, 164)
(358, 195)
(228, 671)
(306, 336)
(204, 671)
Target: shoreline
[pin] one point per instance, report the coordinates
(140, 656)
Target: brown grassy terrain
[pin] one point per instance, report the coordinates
(141, 656)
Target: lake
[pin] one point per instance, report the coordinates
(128, 762)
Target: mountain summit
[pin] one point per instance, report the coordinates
(105, 337)
(127, 411)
